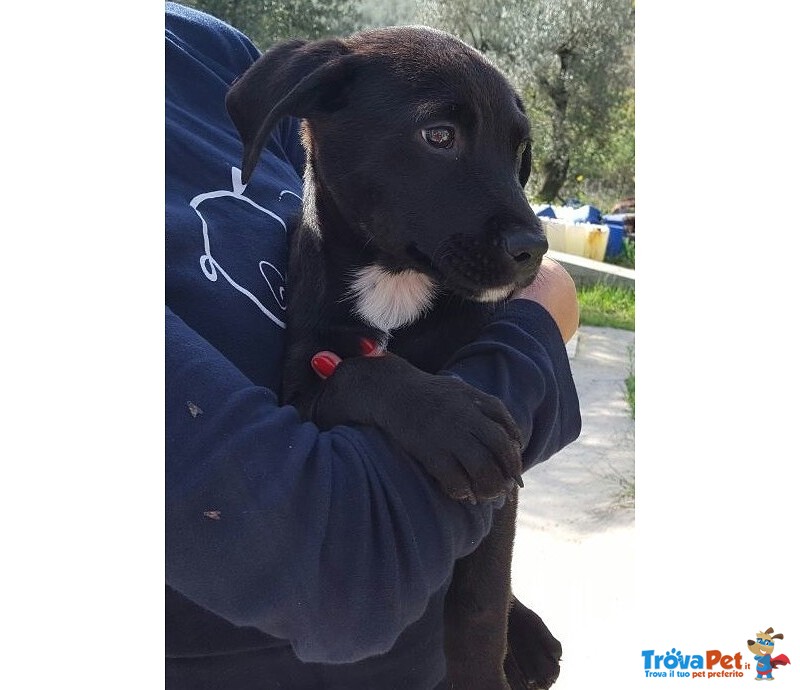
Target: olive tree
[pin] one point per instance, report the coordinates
(268, 21)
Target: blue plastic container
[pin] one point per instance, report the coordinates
(587, 214)
(545, 211)
(616, 233)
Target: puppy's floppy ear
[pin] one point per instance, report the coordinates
(294, 77)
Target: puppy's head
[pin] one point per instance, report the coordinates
(417, 146)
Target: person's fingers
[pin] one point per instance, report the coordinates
(370, 348)
(324, 363)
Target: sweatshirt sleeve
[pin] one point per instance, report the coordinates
(521, 359)
(331, 540)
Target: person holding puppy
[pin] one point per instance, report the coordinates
(298, 558)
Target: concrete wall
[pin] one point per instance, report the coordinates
(588, 271)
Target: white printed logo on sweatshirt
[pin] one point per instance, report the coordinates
(211, 266)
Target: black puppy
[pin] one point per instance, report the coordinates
(414, 226)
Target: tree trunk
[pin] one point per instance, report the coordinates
(555, 174)
(557, 166)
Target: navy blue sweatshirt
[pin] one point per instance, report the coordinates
(297, 558)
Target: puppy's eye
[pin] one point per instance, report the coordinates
(440, 137)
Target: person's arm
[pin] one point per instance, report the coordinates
(331, 540)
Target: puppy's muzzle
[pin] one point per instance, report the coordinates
(489, 266)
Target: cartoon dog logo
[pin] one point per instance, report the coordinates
(248, 281)
(762, 647)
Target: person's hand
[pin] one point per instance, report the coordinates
(554, 289)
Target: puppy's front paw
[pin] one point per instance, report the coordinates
(463, 438)
(532, 660)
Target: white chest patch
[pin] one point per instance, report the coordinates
(309, 201)
(390, 300)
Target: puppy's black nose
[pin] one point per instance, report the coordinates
(524, 245)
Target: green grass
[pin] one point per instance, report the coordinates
(630, 386)
(607, 305)
(626, 494)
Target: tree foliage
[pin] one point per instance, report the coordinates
(268, 21)
(603, 165)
